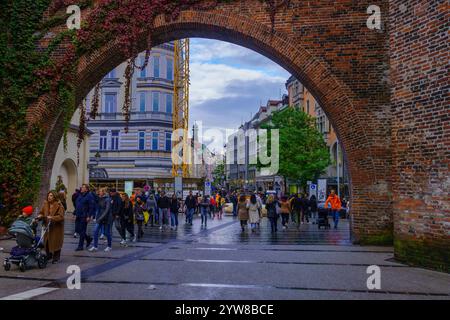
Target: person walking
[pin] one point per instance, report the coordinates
(243, 212)
(52, 215)
(313, 208)
(204, 208)
(127, 222)
(234, 201)
(190, 204)
(305, 208)
(174, 208)
(163, 205)
(253, 211)
(151, 208)
(285, 212)
(212, 207)
(84, 212)
(117, 214)
(335, 203)
(103, 219)
(271, 206)
(296, 207)
(138, 211)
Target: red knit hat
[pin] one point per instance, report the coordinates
(28, 211)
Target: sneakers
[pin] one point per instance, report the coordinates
(102, 237)
(108, 249)
(123, 243)
(134, 239)
(79, 249)
(93, 249)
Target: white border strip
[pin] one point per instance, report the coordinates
(30, 294)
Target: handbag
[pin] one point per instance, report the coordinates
(146, 217)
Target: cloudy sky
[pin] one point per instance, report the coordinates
(229, 82)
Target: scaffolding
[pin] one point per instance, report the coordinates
(181, 109)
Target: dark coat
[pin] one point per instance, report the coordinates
(271, 210)
(85, 206)
(190, 202)
(104, 215)
(116, 205)
(174, 206)
(164, 202)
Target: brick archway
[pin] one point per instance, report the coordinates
(355, 100)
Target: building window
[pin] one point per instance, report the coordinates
(115, 140)
(103, 139)
(156, 67)
(169, 69)
(155, 142)
(169, 103)
(110, 103)
(143, 71)
(155, 100)
(168, 141)
(141, 140)
(142, 107)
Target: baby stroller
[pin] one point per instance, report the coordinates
(323, 219)
(27, 253)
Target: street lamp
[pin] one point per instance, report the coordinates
(97, 157)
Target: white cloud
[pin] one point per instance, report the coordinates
(213, 81)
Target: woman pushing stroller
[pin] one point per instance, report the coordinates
(52, 216)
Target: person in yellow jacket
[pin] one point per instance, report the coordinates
(335, 203)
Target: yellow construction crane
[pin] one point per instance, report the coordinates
(181, 105)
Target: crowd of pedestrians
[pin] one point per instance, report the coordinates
(131, 215)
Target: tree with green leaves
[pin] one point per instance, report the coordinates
(219, 174)
(304, 155)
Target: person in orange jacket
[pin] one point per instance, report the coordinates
(335, 203)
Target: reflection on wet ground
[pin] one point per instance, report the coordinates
(228, 232)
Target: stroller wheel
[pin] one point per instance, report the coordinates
(22, 266)
(7, 266)
(42, 262)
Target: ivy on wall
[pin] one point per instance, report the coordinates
(27, 74)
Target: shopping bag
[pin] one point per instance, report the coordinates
(146, 216)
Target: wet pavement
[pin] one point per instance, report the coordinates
(222, 262)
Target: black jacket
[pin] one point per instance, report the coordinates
(190, 202)
(116, 205)
(174, 206)
(163, 202)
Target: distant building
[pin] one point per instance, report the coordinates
(143, 155)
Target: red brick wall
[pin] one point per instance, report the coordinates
(420, 58)
(327, 45)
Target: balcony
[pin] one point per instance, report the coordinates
(149, 115)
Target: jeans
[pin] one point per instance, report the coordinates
(81, 228)
(234, 209)
(107, 233)
(314, 216)
(284, 219)
(190, 214)
(163, 217)
(305, 215)
(120, 227)
(273, 224)
(335, 214)
(174, 219)
(204, 211)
